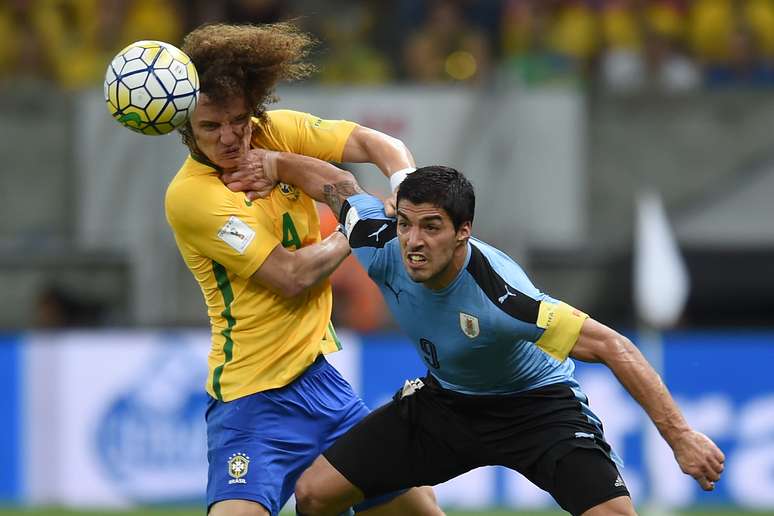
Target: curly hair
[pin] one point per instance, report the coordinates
(246, 60)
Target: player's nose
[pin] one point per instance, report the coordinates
(414, 240)
(227, 135)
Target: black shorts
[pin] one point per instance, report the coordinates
(434, 434)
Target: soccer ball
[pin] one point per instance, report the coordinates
(151, 87)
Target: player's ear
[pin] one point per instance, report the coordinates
(464, 231)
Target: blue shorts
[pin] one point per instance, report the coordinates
(258, 445)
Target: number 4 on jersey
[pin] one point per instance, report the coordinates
(289, 233)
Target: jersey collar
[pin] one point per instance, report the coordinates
(204, 161)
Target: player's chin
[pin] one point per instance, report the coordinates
(417, 275)
(228, 162)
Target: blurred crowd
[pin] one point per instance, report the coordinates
(623, 45)
(614, 45)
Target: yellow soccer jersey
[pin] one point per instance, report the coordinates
(260, 340)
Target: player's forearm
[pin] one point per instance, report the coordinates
(314, 263)
(386, 152)
(645, 385)
(317, 178)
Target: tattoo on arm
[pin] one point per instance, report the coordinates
(335, 194)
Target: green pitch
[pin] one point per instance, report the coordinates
(198, 512)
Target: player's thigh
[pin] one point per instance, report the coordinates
(322, 488)
(583, 479)
(419, 501)
(389, 451)
(238, 508)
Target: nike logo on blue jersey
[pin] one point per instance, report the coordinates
(397, 294)
(376, 233)
(505, 296)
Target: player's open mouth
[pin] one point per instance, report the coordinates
(231, 153)
(416, 260)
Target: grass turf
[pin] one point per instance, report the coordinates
(178, 511)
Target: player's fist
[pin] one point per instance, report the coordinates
(251, 175)
(699, 457)
(390, 206)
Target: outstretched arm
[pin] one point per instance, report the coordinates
(318, 179)
(364, 145)
(696, 454)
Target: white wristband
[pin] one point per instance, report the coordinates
(397, 178)
(270, 165)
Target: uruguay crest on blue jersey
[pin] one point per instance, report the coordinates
(469, 325)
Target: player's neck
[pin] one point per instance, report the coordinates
(444, 278)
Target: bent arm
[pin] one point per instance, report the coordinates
(696, 454)
(366, 145)
(319, 179)
(290, 273)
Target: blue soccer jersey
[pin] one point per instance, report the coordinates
(490, 331)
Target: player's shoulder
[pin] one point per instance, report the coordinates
(277, 114)
(193, 176)
(279, 118)
(489, 264)
(279, 129)
(503, 282)
(194, 187)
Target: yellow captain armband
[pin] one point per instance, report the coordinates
(562, 324)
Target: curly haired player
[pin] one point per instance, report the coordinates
(275, 402)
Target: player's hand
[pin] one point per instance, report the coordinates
(390, 206)
(699, 457)
(250, 176)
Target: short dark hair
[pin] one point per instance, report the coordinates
(441, 186)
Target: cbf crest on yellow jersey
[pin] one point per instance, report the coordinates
(260, 340)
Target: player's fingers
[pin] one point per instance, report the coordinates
(704, 483)
(247, 136)
(240, 173)
(236, 186)
(711, 475)
(262, 192)
(389, 206)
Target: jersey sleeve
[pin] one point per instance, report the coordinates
(302, 133)
(553, 326)
(216, 226)
(369, 230)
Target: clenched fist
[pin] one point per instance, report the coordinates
(699, 457)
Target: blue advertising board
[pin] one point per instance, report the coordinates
(139, 437)
(10, 408)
